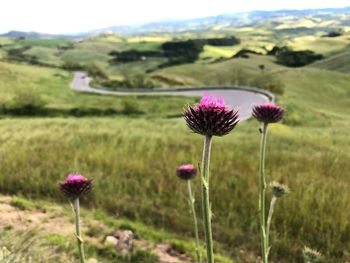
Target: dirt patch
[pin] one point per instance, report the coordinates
(164, 252)
(29, 219)
(54, 221)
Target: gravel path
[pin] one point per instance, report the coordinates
(241, 99)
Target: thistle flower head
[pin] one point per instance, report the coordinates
(211, 103)
(311, 255)
(211, 117)
(76, 185)
(268, 113)
(278, 189)
(186, 171)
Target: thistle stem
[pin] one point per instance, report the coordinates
(205, 199)
(272, 206)
(262, 197)
(193, 212)
(80, 242)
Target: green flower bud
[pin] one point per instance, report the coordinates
(279, 189)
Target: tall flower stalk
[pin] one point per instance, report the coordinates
(195, 224)
(73, 187)
(80, 242)
(207, 213)
(188, 172)
(209, 118)
(262, 195)
(265, 113)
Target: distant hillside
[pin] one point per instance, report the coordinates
(309, 20)
(229, 21)
(31, 34)
(339, 62)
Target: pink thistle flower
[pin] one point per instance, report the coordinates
(211, 117)
(186, 171)
(75, 185)
(208, 102)
(268, 113)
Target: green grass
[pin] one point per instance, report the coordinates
(45, 55)
(133, 164)
(84, 57)
(212, 53)
(234, 71)
(338, 62)
(321, 45)
(6, 41)
(50, 43)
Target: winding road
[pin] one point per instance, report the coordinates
(239, 98)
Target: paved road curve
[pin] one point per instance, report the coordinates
(237, 98)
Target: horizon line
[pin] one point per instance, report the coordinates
(175, 20)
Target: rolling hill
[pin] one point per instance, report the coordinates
(338, 62)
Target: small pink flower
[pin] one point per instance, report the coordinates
(268, 113)
(76, 185)
(186, 171)
(211, 117)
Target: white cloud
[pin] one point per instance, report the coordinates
(70, 16)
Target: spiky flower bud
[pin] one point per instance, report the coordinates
(279, 189)
(186, 171)
(76, 185)
(211, 117)
(311, 255)
(268, 113)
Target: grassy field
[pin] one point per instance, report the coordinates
(49, 43)
(133, 158)
(321, 45)
(337, 62)
(52, 86)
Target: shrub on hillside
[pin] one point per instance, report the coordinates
(218, 41)
(130, 81)
(133, 56)
(88, 111)
(96, 71)
(335, 33)
(276, 50)
(244, 53)
(130, 108)
(181, 52)
(291, 58)
(17, 54)
(25, 102)
(69, 65)
(224, 41)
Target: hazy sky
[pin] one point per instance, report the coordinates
(71, 16)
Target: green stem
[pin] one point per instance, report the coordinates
(262, 189)
(272, 206)
(206, 200)
(193, 211)
(77, 230)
